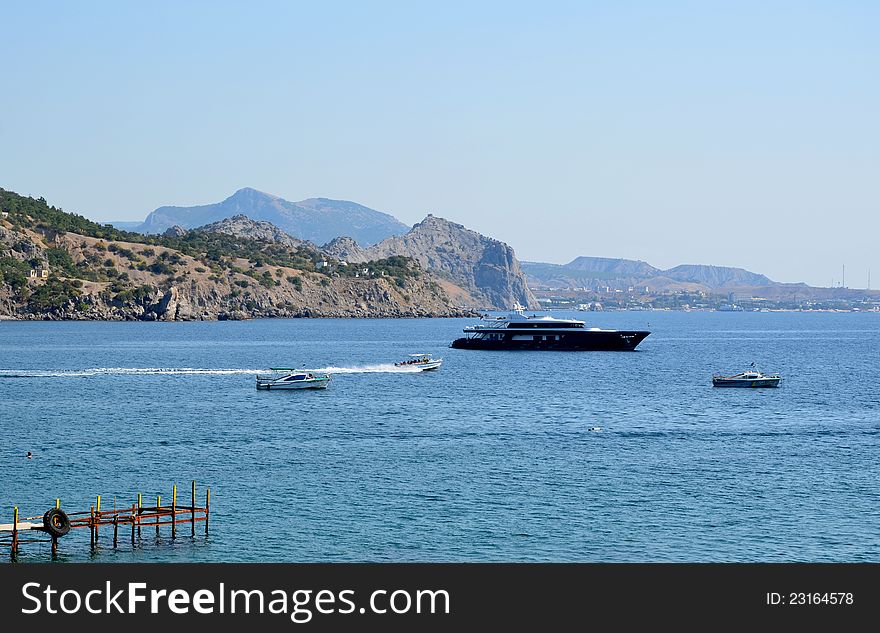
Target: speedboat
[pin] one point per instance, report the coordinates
(749, 378)
(423, 362)
(294, 380)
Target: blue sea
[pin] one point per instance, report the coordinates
(498, 456)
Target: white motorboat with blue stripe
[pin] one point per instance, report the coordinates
(294, 379)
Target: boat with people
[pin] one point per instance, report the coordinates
(517, 331)
(293, 380)
(751, 378)
(423, 362)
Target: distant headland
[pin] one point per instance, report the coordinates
(58, 265)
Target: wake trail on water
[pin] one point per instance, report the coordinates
(387, 368)
(191, 371)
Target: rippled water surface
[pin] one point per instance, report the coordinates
(498, 456)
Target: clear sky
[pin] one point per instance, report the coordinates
(731, 133)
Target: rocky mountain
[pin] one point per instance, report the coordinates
(717, 276)
(485, 268)
(317, 220)
(615, 267)
(57, 265)
(587, 271)
(242, 226)
(346, 249)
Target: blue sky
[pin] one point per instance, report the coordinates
(732, 133)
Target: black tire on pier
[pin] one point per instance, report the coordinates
(56, 522)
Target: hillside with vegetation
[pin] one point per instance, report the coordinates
(59, 265)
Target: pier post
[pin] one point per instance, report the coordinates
(174, 511)
(115, 530)
(158, 505)
(134, 519)
(207, 509)
(97, 516)
(139, 506)
(14, 531)
(192, 509)
(55, 538)
(92, 527)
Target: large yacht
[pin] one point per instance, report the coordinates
(518, 331)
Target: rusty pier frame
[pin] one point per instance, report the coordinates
(56, 523)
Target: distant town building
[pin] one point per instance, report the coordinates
(39, 273)
(737, 297)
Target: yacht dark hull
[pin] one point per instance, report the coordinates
(583, 341)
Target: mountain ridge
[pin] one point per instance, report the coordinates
(317, 220)
(585, 268)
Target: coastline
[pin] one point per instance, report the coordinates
(464, 313)
(358, 313)
(241, 316)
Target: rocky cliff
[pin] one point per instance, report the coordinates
(485, 268)
(193, 292)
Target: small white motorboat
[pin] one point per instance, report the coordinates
(423, 362)
(750, 379)
(294, 380)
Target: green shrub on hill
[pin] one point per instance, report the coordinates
(14, 273)
(139, 295)
(397, 266)
(53, 294)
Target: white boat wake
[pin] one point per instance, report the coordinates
(121, 371)
(387, 368)
(191, 371)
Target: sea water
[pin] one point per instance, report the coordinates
(497, 456)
